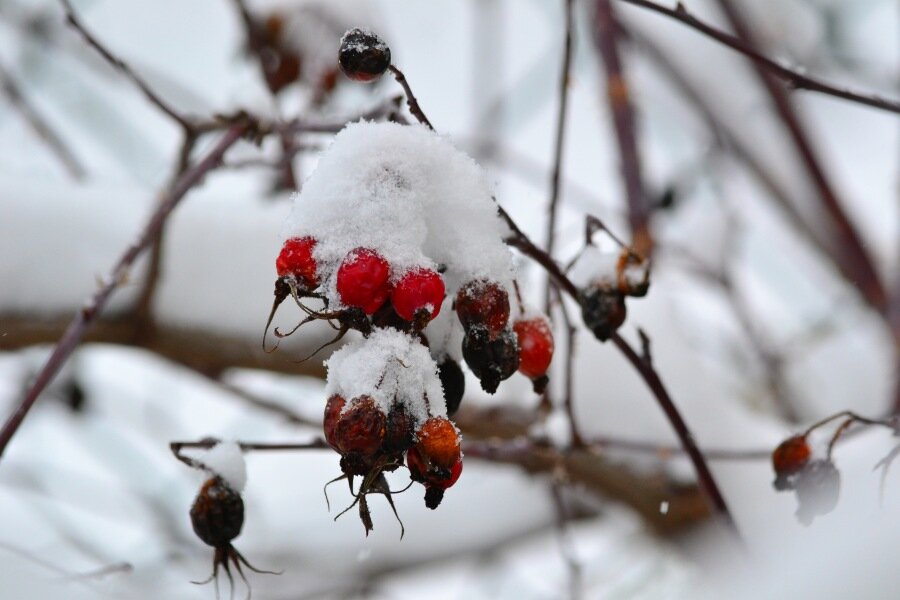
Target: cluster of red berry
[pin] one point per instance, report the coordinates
(816, 481)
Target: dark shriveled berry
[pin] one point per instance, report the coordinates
(818, 487)
(333, 409)
(494, 361)
(603, 311)
(363, 56)
(217, 514)
(360, 428)
(453, 380)
(400, 432)
(483, 303)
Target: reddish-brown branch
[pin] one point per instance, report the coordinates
(411, 101)
(95, 305)
(555, 178)
(123, 67)
(741, 44)
(644, 368)
(620, 106)
(851, 255)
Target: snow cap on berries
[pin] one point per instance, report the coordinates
(389, 366)
(408, 194)
(226, 460)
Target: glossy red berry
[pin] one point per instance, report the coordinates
(483, 303)
(418, 295)
(439, 442)
(535, 346)
(363, 280)
(363, 56)
(296, 260)
(791, 455)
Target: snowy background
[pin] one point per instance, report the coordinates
(89, 483)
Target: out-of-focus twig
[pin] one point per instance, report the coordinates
(740, 43)
(95, 305)
(40, 126)
(618, 98)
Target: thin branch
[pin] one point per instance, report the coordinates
(40, 126)
(618, 98)
(123, 67)
(851, 254)
(645, 369)
(411, 101)
(555, 178)
(794, 78)
(95, 305)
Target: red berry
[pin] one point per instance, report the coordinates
(418, 295)
(535, 346)
(360, 429)
(296, 260)
(791, 455)
(483, 302)
(439, 442)
(363, 280)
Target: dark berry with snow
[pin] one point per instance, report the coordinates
(492, 361)
(363, 56)
(483, 303)
(603, 311)
(453, 380)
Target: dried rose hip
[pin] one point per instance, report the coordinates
(296, 261)
(418, 296)
(438, 440)
(788, 459)
(400, 431)
(360, 428)
(217, 514)
(217, 517)
(483, 303)
(603, 311)
(333, 409)
(363, 280)
(493, 361)
(363, 56)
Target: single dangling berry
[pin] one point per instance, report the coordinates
(603, 311)
(363, 56)
(535, 340)
(788, 459)
(296, 261)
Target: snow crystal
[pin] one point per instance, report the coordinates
(389, 366)
(407, 193)
(226, 460)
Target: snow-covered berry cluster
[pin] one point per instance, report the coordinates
(396, 233)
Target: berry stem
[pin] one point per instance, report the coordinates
(411, 101)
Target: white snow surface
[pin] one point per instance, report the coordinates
(226, 460)
(407, 193)
(390, 366)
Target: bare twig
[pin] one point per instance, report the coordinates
(95, 305)
(618, 98)
(40, 126)
(792, 77)
(707, 482)
(555, 178)
(851, 254)
(123, 67)
(411, 101)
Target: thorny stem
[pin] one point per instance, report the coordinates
(555, 178)
(794, 78)
(644, 368)
(411, 101)
(622, 110)
(95, 305)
